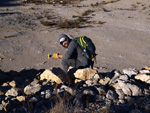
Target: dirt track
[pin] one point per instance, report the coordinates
(122, 40)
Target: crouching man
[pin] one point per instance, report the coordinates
(74, 54)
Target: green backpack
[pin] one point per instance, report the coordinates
(88, 46)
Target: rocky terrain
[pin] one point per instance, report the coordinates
(120, 30)
(78, 91)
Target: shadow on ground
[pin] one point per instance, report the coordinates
(9, 3)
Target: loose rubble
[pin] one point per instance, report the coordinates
(85, 89)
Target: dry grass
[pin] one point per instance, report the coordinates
(69, 24)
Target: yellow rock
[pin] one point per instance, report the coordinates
(96, 76)
(49, 75)
(84, 74)
(142, 77)
(20, 98)
(147, 67)
(12, 83)
(101, 81)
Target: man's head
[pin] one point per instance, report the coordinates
(64, 40)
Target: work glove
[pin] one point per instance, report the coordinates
(54, 56)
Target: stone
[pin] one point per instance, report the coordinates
(129, 89)
(144, 71)
(120, 93)
(34, 82)
(111, 95)
(5, 84)
(143, 77)
(147, 67)
(124, 77)
(2, 93)
(84, 74)
(47, 94)
(49, 75)
(12, 83)
(33, 99)
(90, 82)
(101, 89)
(20, 98)
(115, 77)
(28, 90)
(130, 71)
(69, 90)
(12, 92)
(96, 76)
(104, 81)
(88, 92)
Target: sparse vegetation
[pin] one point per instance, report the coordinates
(47, 23)
(69, 24)
(105, 10)
(87, 12)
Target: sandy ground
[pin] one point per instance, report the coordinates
(122, 41)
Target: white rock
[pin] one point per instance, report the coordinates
(28, 90)
(49, 75)
(143, 77)
(20, 98)
(129, 89)
(130, 71)
(12, 92)
(144, 71)
(69, 90)
(85, 73)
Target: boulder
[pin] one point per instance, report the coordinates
(129, 89)
(101, 89)
(111, 95)
(130, 71)
(12, 92)
(49, 75)
(12, 83)
(85, 73)
(104, 81)
(143, 77)
(20, 98)
(28, 90)
(144, 71)
(69, 90)
(124, 77)
(120, 93)
(46, 94)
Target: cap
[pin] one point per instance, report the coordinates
(63, 37)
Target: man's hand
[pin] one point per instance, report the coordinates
(54, 56)
(60, 56)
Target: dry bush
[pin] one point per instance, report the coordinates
(47, 23)
(69, 24)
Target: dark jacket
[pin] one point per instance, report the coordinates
(74, 51)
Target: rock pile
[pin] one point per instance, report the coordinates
(85, 89)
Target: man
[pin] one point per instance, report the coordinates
(74, 54)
